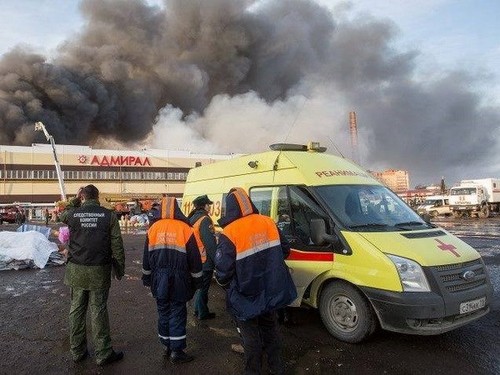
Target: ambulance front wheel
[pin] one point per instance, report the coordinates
(346, 312)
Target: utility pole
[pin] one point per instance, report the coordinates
(39, 126)
(353, 130)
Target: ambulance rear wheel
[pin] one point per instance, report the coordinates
(346, 312)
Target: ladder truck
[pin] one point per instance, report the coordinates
(39, 126)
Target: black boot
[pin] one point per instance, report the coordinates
(113, 357)
(179, 356)
(82, 357)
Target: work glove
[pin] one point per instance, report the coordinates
(146, 280)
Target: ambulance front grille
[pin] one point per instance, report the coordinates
(456, 278)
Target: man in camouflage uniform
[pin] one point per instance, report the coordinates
(95, 250)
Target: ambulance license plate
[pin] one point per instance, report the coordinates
(469, 306)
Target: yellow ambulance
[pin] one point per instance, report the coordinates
(359, 253)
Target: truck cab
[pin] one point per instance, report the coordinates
(359, 253)
(469, 200)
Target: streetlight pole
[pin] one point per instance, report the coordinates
(39, 126)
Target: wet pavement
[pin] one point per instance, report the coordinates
(34, 335)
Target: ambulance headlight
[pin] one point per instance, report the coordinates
(411, 274)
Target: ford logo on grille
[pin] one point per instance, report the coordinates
(468, 275)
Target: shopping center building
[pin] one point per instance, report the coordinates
(28, 174)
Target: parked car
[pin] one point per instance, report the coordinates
(8, 214)
(435, 206)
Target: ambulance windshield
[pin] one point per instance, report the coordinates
(371, 208)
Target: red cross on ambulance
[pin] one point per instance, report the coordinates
(447, 247)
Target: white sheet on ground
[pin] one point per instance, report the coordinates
(38, 228)
(24, 247)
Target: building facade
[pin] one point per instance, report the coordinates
(28, 174)
(395, 179)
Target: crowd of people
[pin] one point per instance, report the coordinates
(181, 257)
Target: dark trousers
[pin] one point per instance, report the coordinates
(97, 300)
(172, 318)
(260, 335)
(201, 298)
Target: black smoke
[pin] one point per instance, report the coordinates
(132, 59)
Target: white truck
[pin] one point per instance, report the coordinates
(475, 197)
(435, 205)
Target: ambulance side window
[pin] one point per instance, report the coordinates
(292, 209)
(303, 210)
(262, 199)
(283, 221)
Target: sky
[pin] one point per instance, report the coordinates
(423, 77)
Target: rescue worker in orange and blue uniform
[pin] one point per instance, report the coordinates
(204, 233)
(249, 263)
(172, 269)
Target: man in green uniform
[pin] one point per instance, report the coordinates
(95, 250)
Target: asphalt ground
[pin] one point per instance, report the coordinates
(34, 307)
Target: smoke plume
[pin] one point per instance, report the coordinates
(237, 75)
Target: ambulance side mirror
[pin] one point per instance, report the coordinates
(318, 233)
(426, 217)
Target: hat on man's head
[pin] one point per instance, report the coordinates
(201, 201)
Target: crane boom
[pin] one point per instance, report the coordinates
(39, 126)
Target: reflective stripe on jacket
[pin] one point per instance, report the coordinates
(251, 258)
(199, 242)
(251, 235)
(204, 233)
(171, 255)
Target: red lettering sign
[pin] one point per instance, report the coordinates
(107, 161)
(104, 161)
(339, 173)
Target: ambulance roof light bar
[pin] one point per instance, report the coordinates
(311, 146)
